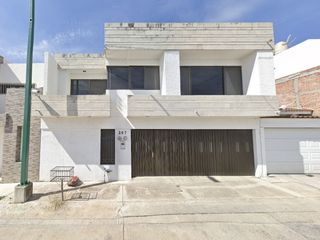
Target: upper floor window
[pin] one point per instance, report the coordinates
(88, 87)
(134, 77)
(211, 81)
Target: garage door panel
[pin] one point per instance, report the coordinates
(282, 144)
(192, 152)
(315, 157)
(287, 155)
(281, 167)
(292, 150)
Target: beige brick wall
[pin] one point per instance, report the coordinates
(11, 152)
(301, 90)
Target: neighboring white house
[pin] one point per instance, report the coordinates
(299, 58)
(168, 99)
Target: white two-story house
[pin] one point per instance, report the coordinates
(170, 99)
(164, 99)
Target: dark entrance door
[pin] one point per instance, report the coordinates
(192, 152)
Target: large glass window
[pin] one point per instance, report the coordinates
(134, 77)
(88, 87)
(211, 81)
(107, 155)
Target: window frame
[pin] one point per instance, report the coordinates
(223, 84)
(129, 87)
(89, 80)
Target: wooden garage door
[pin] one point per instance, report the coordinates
(192, 152)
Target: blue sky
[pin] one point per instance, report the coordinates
(77, 25)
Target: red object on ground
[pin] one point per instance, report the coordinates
(73, 181)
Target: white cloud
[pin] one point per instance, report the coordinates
(230, 10)
(57, 43)
(70, 36)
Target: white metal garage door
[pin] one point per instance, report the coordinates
(292, 150)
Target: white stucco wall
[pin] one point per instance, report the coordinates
(16, 73)
(297, 58)
(258, 75)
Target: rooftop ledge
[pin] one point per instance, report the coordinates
(184, 36)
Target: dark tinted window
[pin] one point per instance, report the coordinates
(88, 87)
(232, 81)
(137, 77)
(211, 80)
(206, 81)
(185, 81)
(119, 77)
(151, 78)
(134, 77)
(107, 155)
(83, 87)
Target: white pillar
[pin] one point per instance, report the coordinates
(258, 74)
(50, 83)
(170, 73)
(259, 152)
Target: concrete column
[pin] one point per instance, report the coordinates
(170, 73)
(258, 74)
(259, 159)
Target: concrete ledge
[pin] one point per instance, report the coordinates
(23, 193)
(202, 106)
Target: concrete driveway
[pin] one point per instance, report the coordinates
(277, 207)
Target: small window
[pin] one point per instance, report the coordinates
(107, 146)
(19, 144)
(88, 87)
